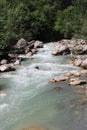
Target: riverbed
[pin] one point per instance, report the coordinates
(30, 100)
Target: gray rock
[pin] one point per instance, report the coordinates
(4, 61)
(22, 43)
(59, 79)
(84, 64)
(7, 67)
(77, 82)
(61, 50)
(38, 44)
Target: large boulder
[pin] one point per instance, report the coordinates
(20, 46)
(84, 64)
(61, 50)
(3, 61)
(80, 60)
(22, 43)
(77, 62)
(77, 46)
(7, 67)
(80, 47)
(38, 44)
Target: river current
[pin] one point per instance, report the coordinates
(30, 100)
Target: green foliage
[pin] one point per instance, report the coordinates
(41, 19)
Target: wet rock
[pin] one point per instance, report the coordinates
(83, 72)
(80, 47)
(61, 50)
(17, 62)
(54, 52)
(32, 46)
(57, 88)
(76, 74)
(80, 60)
(3, 92)
(7, 67)
(84, 64)
(82, 90)
(4, 61)
(77, 62)
(59, 78)
(77, 82)
(37, 67)
(29, 54)
(77, 50)
(76, 46)
(38, 44)
(34, 51)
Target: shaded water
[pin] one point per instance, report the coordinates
(30, 100)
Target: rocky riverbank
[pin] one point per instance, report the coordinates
(9, 61)
(78, 49)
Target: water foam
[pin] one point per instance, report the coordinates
(3, 106)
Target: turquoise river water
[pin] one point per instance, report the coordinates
(30, 100)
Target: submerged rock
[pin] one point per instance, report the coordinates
(77, 82)
(57, 88)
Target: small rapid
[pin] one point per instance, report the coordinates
(29, 99)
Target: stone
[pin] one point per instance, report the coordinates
(61, 50)
(59, 78)
(4, 61)
(7, 67)
(22, 43)
(37, 67)
(38, 44)
(83, 72)
(76, 74)
(34, 51)
(75, 82)
(17, 62)
(77, 62)
(84, 64)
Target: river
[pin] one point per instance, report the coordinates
(30, 100)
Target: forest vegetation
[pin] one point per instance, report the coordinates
(46, 20)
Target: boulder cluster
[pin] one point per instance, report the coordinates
(64, 47)
(73, 78)
(78, 49)
(9, 61)
(80, 60)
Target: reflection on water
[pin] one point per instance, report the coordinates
(30, 101)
